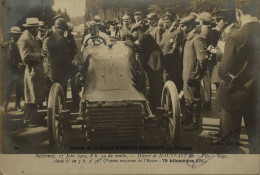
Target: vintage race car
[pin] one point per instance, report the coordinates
(113, 103)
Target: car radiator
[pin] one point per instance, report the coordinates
(117, 122)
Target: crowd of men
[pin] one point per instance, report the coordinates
(193, 52)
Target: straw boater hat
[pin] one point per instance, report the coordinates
(15, 30)
(31, 22)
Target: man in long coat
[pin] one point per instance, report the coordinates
(58, 53)
(34, 82)
(193, 71)
(239, 69)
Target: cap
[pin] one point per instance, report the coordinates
(42, 25)
(167, 16)
(205, 16)
(126, 18)
(136, 26)
(97, 19)
(61, 24)
(113, 23)
(137, 13)
(188, 19)
(152, 15)
(57, 17)
(92, 24)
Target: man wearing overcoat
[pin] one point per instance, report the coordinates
(34, 81)
(58, 53)
(193, 71)
(239, 70)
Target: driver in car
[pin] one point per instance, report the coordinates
(95, 37)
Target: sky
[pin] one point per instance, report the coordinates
(74, 7)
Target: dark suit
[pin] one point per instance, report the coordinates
(150, 57)
(156, 32)
(60, 58)
(241, 97)
(170, 45)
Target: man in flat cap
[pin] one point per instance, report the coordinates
(56, 47)
(239, 94)
(15, 74)
(170, 45)
(194, 57)
(34, 78)
(150, 56)
(154, 30)
(138, 16)
(125, 32)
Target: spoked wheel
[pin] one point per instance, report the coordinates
(171, 105)
(55, 124)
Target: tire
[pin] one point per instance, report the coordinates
(170, 102)
(56, 104)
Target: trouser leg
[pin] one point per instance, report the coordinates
(252, 123)
(31, 112)
(231, 127)
(8, 92)
(192, 98)
(155, 92)
(74, 91)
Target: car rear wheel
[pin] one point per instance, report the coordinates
(56, 104)
(171, 105)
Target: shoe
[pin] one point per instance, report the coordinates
(19, 109)
(192, 126)
(214, 134)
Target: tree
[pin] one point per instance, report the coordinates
(66, 16)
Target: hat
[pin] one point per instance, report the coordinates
(227, 14)
(113, 23)
(137, 13)
(136, 26)
(92, 24)
(61, 24)
(167, 16)
(152, 15)
(205, 16)
(97, 19)
(31, 22)
(126, 17)
(15, 30)
(188, 19)
(57, 17)
(42, 25)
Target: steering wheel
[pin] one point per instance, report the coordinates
(95, 41)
